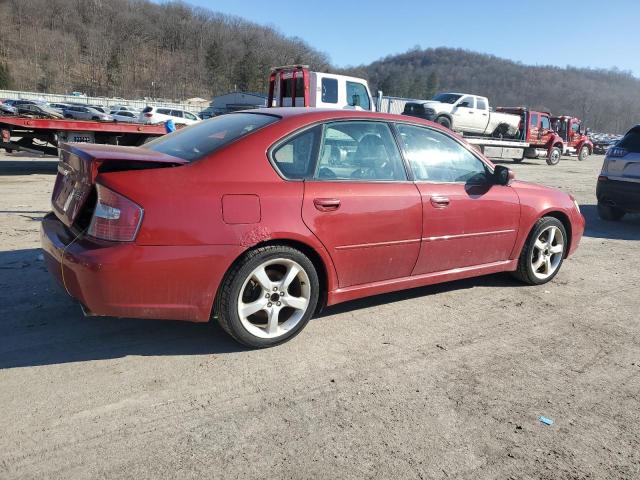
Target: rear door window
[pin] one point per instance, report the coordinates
(359, 151)
(203, 138)
(481, 103)
(176, 113)
(164, 111)
(295, 158)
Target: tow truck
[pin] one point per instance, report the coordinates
(297, 86)
(574, 134)
(43, 135)
(536, 139)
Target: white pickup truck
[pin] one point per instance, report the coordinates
(465, 113)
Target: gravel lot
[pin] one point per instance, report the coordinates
(437, 382)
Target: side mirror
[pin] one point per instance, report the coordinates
(502, 175)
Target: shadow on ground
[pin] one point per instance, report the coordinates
(42, 325)
(29, 167)
(626, 229)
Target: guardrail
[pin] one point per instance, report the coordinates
(106, 101)
(393, 104)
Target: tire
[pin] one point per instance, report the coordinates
(554, 156)
(609, 212)
(517, 160)
(444, 121)
(584, 153)
(68, 116)
(256, 283)
(95, 119)
(540, 261)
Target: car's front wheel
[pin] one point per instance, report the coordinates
(543, 253)
(584, 153)
(554, 156)
(268, 296)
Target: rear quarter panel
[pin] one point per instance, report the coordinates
(184, 205)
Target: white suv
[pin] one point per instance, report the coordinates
(161, 115)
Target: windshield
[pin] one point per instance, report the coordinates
(446, 97)
(202, 138)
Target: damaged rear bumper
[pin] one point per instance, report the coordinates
(130, 280)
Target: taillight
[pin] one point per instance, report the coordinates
(148, 115)
(616, 152)
(116, 218)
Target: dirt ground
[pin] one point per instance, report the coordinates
(438, 382)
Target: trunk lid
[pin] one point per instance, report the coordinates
(80, 165)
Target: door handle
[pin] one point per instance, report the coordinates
(439, 201)
(326, 204)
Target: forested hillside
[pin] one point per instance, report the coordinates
(607, 100)
(135, 48)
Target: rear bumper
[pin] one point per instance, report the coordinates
(129, 280)
(621, 194)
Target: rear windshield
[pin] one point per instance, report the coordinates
(147, 109)
(203, 138)
(631, 141)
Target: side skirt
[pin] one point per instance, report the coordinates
(395, 284)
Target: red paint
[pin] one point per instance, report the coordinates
(572, 133)
(81, 125)
(241, 209)
(536, 134)
(369, 237)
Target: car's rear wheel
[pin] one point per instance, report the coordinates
(268, 296)
(543, 253)
(584, 153)
(609, 212)
(554, 156)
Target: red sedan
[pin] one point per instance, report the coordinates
(260, 218)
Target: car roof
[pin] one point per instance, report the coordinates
(317, 114)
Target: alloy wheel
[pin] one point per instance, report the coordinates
(547, 252)
(274, 298)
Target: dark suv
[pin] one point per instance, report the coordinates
(618, 189)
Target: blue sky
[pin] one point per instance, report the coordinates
(583, 33)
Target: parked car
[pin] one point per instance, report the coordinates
(259, 218)
(38, 110)
(79, 112)
(618, 190)
(465, 113)
(124, 116)
(100, 108)
(59, 107)
(125, 108)
(7, 108)
(161, 115)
